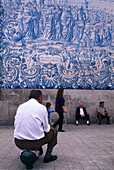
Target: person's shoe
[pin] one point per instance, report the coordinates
(108, 123)
(77, 123)
(99, 123)
(61, 131)
(50, 159)
(88, 123)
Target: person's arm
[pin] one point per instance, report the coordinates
(62, 101)
(107, 112)
(85, 112)
(50, 111)
(64, 109)
(101, 113)
(98, 111)
(45, 122)
(77, 111)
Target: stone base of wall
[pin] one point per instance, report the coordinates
(10, 99)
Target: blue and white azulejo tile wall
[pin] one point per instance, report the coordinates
(53, 43)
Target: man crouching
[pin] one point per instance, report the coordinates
(32, 130)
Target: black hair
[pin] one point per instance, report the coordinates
(48, 104)
(101, 103)
(35, 94)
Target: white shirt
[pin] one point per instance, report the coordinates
(31, 121)
(81, 111)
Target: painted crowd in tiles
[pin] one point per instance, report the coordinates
(49, 44)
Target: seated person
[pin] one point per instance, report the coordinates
(81, 113)
(102, 112)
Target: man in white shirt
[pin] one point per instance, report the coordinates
(81, 113)
(32, 130)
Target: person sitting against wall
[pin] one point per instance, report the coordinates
(81, 113)
(32, 130)
(102, 113)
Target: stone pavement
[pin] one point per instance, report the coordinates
(79, 148)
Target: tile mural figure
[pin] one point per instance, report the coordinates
(49, 44)
(67, 24)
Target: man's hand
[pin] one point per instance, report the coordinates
(65, 110)
(83, 115)
(102, 113)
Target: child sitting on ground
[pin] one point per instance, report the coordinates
(48, 105)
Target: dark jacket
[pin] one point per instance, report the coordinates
(78, 111)
(59, 103)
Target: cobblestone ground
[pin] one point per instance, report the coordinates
(79, 148)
